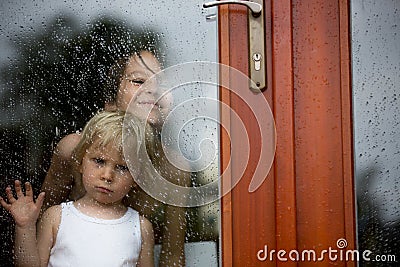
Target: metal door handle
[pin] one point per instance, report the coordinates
(255, 8)
(257, 56)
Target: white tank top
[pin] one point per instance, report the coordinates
(86, 241)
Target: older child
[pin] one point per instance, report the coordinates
(97, 229)
(122, 87)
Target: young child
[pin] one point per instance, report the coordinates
(97, 229)
(123, 86)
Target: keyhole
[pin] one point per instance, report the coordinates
(257, 61)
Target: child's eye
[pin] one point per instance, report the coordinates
(136, 81)
(99, 161)
(122, 168)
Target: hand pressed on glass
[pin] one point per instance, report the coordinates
(23, 208)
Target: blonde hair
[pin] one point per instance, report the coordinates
(108, 128)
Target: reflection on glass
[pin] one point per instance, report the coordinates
(376, 64)
(53, 70)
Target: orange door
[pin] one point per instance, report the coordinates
(307, 200)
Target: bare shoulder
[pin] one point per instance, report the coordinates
(48, 226)
(145, 225)
(52, 214)
(51, 219)
(67, 144)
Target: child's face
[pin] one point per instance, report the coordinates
(164, 103)
(143, 100)
(105, 175)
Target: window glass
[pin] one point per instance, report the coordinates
(376, 84)
(55, 62)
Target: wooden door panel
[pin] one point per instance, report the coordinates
(307, 200)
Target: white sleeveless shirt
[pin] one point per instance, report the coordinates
(86, 241)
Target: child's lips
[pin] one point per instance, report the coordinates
(149, 103)
(103, 190)
(146, 102)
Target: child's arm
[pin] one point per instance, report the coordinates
(174, 230)
(47, 229)
(25, 213)
(59, 179)
(173, 236)
(146, 257)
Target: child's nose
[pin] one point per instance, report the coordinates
(108, 174)
(150, 88)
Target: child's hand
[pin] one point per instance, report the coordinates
(24, 210)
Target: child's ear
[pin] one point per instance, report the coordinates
(110, 106)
